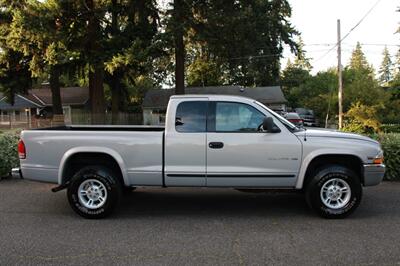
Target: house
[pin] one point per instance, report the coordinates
(74, 100)
(39, 102)
(20, 111)
(155, 101)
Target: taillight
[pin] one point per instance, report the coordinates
(21, 150)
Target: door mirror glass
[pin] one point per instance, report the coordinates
(178, 121)
(269, 125)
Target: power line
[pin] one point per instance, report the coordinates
(250, 57)
(319, 44)
(352, 29)
(380, 44)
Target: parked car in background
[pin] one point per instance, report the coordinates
(308, 117)
(294, 118)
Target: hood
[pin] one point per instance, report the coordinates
(331, 133)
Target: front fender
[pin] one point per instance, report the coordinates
(312, 155)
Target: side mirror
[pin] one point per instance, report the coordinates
(269, 126)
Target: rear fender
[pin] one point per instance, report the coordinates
(92, 149)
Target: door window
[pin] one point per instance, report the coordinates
(191, 116)
(237, 117)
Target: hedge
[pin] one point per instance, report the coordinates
(391, 147)
(8, 152)
(390, 128)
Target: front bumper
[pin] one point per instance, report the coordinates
(373, 174)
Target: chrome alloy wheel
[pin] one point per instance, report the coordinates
(92, 194)
(335, 193)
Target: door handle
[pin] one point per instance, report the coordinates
(216, 145)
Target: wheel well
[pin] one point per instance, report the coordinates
(350, 161)
(79, 160)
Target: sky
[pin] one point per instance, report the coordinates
(317, 22)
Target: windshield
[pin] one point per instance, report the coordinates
(303, 111)
(286, 123)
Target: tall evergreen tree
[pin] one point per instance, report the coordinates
(131, 48)
(15, 74)
(386, 68)
(35, 31)
(301, 60)
(396, 66)
(360, 84)
(292, 81)
(83, 24)
(247, 37)
(178, 22)
(358, 61)
(242, 39)
(179, 17)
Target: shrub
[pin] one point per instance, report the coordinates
(391, 147)
(362, 119)
(8, 152)
(391, 128)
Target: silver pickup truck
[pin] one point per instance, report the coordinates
(208, 141)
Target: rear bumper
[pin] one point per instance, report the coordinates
(16, 173)
(373, 174)
(41, 174)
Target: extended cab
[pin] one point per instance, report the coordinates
(208, 141)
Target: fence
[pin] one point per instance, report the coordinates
(80, 118)
(77, 118)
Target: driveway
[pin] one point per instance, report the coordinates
(196, 226)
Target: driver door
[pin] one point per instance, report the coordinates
(240, 155)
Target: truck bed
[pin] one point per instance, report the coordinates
(137, 149)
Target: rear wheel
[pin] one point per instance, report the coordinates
(94, 192)
(334, 192)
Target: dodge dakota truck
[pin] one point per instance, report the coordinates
(208, 141)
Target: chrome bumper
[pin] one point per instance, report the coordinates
(373, 174)
(16, 173)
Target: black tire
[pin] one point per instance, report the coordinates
(109, 180)
(321, 177)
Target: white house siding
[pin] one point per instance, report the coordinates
(16, 116)
(277, 107)
(153, 117)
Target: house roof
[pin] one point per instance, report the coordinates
(20, 102)
(69, 95)
(158, 98)
(37, 98)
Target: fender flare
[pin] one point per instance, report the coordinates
(312, 155)
(92, 149)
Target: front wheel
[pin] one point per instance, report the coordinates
(334, 192)
(94, 192)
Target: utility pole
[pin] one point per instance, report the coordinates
(340, 93)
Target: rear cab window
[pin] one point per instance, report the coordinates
(191, 116)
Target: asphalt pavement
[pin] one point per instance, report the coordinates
(196, 227)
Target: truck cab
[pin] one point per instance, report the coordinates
(216, 141)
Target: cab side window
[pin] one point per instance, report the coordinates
(237, 117)
(191, 116)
